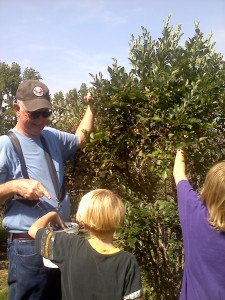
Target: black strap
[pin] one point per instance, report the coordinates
(18, 150)
(16, 144)
(51, 167)
(59, 193)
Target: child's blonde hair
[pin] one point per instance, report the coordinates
(101, 210)
(213, 195)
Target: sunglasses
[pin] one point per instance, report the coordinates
(36, 114)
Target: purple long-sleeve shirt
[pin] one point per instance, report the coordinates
(204, 249)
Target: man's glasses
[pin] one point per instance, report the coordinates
(36, 114)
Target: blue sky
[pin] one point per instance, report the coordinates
(65, 40)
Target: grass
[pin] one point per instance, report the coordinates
(3, 283)
(3, 264)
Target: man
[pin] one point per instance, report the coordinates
(27, 277)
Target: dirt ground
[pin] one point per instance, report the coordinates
(3, 247)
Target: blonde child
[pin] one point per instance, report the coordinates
(91, 268)
(203, 227)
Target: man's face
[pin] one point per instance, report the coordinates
(31, 123)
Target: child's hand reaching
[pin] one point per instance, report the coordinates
(179, 166)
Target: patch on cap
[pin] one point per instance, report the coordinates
(38, 91)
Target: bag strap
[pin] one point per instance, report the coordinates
(17, 147)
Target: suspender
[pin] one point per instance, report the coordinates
(51, 167)
(18, 150)
(17, 147)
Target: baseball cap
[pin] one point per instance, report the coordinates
(34, 94)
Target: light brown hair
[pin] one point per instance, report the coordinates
(213, 195)
(101, 210)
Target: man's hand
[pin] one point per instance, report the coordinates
(30, 189)
(87, 122)
(88, 99)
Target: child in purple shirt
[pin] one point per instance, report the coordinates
(202, 220)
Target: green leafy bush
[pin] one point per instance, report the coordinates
(173, 96)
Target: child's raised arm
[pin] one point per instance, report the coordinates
(179, 167)
(51, 217)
